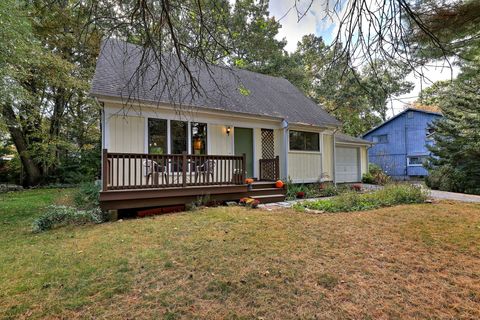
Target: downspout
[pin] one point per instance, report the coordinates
(102, 133)
(285, 149)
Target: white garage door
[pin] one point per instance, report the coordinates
(347, 166)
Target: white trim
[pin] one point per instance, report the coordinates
(145, 147)
(415, 165)
(189, 137)
(169, 138)
(209, 144)
(305, 152)
(254, 155)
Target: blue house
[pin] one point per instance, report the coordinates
(400, 143)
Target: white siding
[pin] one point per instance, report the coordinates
(126, 134)
(219, 142)
(304, 167)
(327, 157)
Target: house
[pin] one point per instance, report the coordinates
(400, 143)
(165, 144)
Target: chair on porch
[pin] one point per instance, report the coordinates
(153, 169)
(206, 169)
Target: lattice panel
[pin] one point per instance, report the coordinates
(268, 149)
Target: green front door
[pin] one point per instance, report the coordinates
(244, 144)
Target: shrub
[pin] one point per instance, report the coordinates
(353, 201)
(87, 196)
(57, 216)
(375, 175)
(328, 190)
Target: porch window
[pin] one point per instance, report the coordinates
(199, 138)
(178, 133)
(157, 136)
(304, 141)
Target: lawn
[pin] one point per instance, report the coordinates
(412, 261)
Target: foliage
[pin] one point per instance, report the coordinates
(249, 202)
(87, 195)
(375, 175)
(352, 201)
(455, 161)
(56, 216)
(45, 72)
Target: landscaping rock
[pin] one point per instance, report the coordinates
(10, 187)
(314, 211)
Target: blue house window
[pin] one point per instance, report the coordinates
(416, 161)
(383, 138)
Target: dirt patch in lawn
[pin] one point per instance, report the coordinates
(417, 261)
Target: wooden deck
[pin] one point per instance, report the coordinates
(149, 180)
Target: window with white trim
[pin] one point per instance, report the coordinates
(416, 161)
(304, 141)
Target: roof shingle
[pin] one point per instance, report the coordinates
(228, 89)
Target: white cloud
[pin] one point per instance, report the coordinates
(435, 72)
(292, 29)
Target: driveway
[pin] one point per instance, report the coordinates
(444, 195)
(438, 195)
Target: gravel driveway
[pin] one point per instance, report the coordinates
(439, 195)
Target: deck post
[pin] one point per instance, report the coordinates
(184, 169)
(104, 170)
(244, 168)
(277, 167)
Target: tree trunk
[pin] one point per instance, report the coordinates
(33, 173)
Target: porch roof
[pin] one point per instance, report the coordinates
(120, 74)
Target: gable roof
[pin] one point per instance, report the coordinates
(342, 137)
(226, 89)
(398, 115)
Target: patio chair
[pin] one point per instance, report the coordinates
(206, 169)
(153, 169)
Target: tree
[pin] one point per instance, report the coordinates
(455, 164)
(46, 66)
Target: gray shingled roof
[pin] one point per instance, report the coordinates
(115, 76)
(342, 137)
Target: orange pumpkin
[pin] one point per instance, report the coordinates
(279, 184)
(248, 180)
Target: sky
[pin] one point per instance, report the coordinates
(314, 22)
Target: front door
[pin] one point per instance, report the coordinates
(243, 139)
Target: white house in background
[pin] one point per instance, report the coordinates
(161, 139)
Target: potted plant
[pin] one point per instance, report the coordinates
(300, 195)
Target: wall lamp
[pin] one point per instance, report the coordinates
(228, 130)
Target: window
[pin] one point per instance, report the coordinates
(178, 134)
(304, 141)
(417, 161)
(157, 136)
(199, 138)
(382, 138)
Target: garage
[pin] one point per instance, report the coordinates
(347, 167)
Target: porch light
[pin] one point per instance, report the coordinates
(228, 130)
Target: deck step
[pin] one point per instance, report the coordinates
(266, 191)
(269, 198)
(263, 184)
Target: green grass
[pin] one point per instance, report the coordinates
(417, 261)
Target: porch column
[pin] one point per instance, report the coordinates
(284, 154)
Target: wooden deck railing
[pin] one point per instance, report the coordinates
(141, 171)
(270, 169)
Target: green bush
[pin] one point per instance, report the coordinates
(353, 201)
(329, 190)
(57, 216)
(375, 175)
(87, 196)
